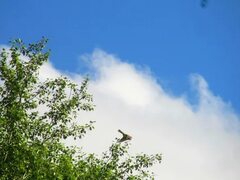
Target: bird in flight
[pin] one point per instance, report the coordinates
(125, 137)
(204, 3)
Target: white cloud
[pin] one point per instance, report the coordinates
(200, 142)
(197, 143)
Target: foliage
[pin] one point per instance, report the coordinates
(36, 116)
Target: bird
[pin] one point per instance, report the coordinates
(125, 137)
(204, 3)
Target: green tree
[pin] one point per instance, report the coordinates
(31, 145)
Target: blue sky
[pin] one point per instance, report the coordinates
(173, 38)
(192, 125)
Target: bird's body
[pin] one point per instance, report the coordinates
(125, 137)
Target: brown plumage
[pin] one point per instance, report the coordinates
(125, 137)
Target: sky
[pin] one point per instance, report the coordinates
(164, 71)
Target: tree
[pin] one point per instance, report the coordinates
(31, 144)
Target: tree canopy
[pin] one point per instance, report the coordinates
(36, 116)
